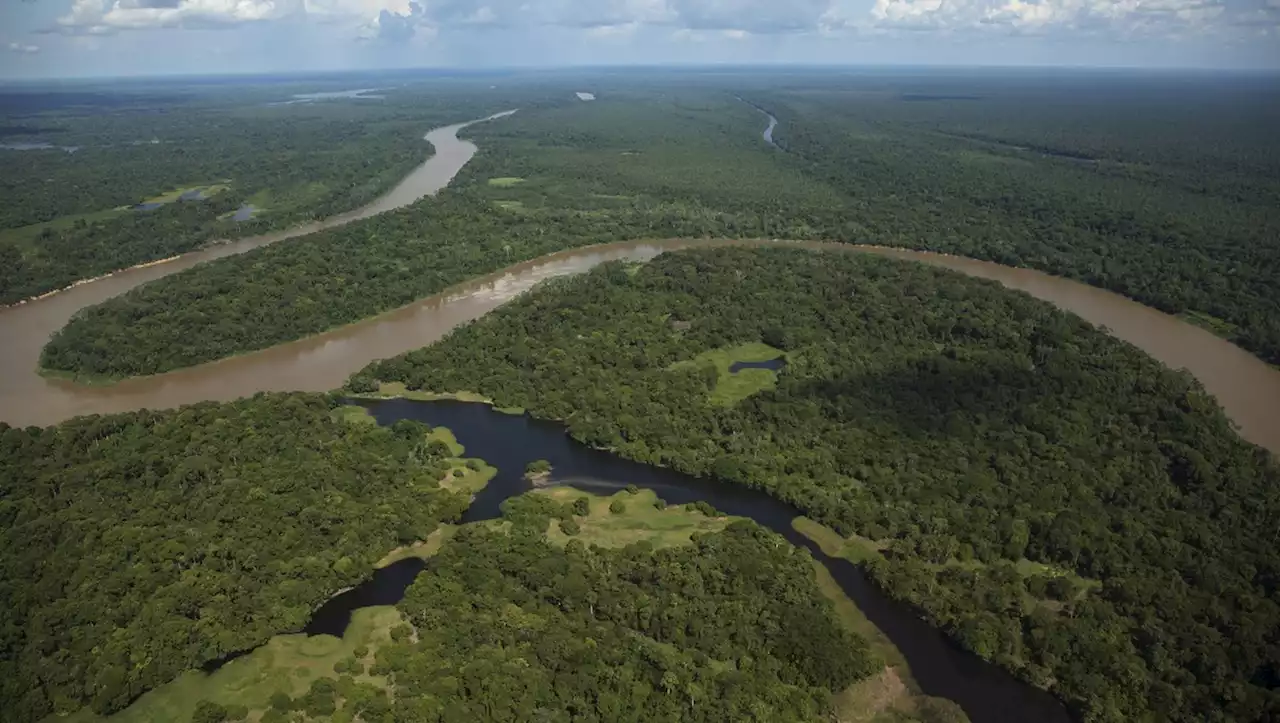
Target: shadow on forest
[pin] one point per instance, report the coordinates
(937, 397)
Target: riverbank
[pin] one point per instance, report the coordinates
(1247, 388)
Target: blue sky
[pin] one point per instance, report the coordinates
(84, 38)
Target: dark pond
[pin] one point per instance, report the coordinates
(770, 364)
(987, 694)
(149, 206)
(244, 213)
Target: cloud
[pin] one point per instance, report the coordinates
(23, 49)
(101, 17)
(397, 21)
(1119, 18)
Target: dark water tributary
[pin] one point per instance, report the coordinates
(986, 693)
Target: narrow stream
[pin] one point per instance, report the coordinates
(987, 693)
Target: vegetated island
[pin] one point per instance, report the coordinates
(1056, 501)
(538, 472)
(197, 533)
(613, 608)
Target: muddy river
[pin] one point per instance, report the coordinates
(1247, 388)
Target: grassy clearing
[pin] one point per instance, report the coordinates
(506, 181)
(509, 205)
(1220, 327)
(422, 550)
(174, 194)
(893, 695)
(353, 414)
(854, 549)
(641, 520)
(24, 235)
(446, 436)
(732, 388)
(287, 663)
(397, 390)
(468, 476)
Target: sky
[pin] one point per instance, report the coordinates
(95, 38)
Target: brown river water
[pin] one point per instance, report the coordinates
(1247, 388)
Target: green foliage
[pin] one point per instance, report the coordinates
(570, 527)
(510, 625)
(537, 467)
(1077, 181)
(66, 216)
(617, 507)
(208, 712)
(1178, 224)
(945, 419)
(281, 701)
(198, 532)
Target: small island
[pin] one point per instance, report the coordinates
(538, 472)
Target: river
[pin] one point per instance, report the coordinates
(1246, 387)
(987, 693)
(26, 328)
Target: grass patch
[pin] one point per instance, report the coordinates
(24, 235)
(641, 520)
(468, 476)
(173, 195)
(446, 436)
(422, 550)
(893, 695)
(353, 414)
(506, 181)
(509, 205)
(1219, 327)
(390, 390)
(287, 663)
(854, 549)
(732, 388)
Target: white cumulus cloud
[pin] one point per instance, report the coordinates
(109, 16)
(400, 20)
(23, 48)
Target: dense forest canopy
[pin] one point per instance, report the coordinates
(571, 607)
(1055, 500)
(69, 215)
(933, 163)
(1165, 189)
(512, 627)
(136, 546)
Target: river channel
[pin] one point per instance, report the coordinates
(1246, 387)
(26, 328)
(986, 693)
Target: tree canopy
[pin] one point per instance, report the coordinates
(136, 546)
(1054, 499)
